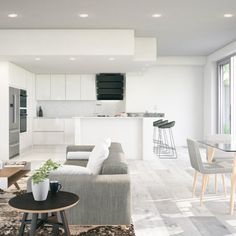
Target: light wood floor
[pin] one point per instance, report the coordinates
(162, 202)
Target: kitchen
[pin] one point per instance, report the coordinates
(47, 78)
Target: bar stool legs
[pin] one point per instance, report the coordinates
(164, 146)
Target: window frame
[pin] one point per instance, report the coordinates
(226, 60)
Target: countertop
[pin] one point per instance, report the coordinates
(95, 117)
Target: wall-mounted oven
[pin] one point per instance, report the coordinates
(23, 120)
(23, 98)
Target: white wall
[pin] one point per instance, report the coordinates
(176, 91)
(4, 108)
(210, 87)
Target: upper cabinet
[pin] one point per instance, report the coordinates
(73, 87)
(88, 87)
(66, 87)
(58, 89)
(17, 76)
(43, 87)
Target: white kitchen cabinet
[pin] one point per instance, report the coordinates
(48, 138)
(73, 87)
(58, 84)
(88, 87)
(43, 124)
(17, 76)
(43, 87)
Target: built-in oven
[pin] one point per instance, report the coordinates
(23, 120)
(23, 98)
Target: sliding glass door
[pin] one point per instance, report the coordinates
(227, 96)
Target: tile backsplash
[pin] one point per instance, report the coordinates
(80, 108)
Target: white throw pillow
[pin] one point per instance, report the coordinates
(107, 141)
(97, 157)
(78, 155)
(71, 170)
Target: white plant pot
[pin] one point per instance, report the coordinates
(40, 190)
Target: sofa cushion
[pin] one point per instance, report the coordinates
(71, 170)
(97, 157)
(115, 164)
(76, 162)
(78, 155)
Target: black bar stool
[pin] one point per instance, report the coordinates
(165, 145)
(156, 125)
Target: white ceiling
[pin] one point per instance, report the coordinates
(187, 28)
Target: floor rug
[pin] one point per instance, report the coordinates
(10, 220)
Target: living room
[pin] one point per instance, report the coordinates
(117, 118)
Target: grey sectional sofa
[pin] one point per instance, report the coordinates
(105, 199)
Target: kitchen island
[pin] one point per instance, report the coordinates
(134, 133)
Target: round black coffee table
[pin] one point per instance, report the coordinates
(54, 203)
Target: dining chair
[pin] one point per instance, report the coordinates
(204, 168)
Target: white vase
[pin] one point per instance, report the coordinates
(40, 190)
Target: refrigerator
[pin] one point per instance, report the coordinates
(14, 122)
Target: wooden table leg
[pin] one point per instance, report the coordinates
(17, 186)
(33, 225)
(216, 184)
(65, 223)
(22, 227)
(233, 176)
(210, 153)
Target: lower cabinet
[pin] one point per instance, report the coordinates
(48, 138)
(53, 131)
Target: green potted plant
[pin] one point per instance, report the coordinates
(40, 181)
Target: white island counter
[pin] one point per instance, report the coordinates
(134, 133)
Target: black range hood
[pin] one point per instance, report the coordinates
(110, 86)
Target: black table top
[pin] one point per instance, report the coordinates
(226, 147)
(54, 202)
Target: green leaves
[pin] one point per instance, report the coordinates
(43, 172)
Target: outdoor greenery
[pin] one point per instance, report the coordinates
(43, 172)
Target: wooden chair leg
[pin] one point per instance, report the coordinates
(232, 194)
(216, 184)
(204, 180)
(195, 182)
(224, 186)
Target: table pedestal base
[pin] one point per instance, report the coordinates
(37, 222)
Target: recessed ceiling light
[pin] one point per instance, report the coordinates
(83, 15)
(37, 58)
(72, 58)
(157, 15)
(111, 59)
(228, 15)
(12, 15)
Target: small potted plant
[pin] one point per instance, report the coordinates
(40, 181)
